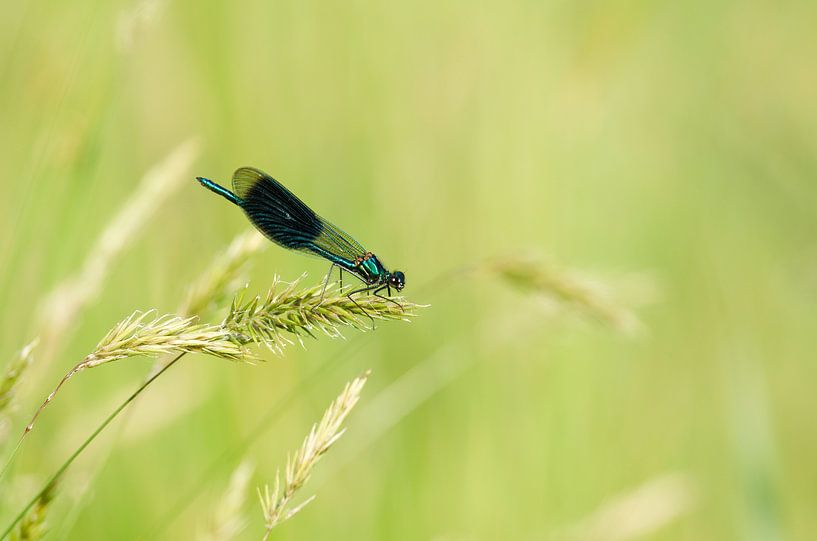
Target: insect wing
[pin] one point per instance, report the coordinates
(288, 221)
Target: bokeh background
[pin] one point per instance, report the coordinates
(663, 151)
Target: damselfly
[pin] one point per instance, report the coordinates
(288, 222)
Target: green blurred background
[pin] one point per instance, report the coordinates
(669, 140)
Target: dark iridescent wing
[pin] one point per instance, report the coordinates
(333, 238)
(287, 221)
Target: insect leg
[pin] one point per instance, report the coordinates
(386, 287)
(325, 283)
(361, 290)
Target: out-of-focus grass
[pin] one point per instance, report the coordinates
(673, 138)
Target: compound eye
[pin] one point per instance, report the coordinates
(397, 280)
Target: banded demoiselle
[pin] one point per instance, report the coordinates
(287, 221)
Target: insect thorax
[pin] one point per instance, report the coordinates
(370, 269)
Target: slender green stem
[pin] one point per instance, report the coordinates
(86, 443)
(11, 458)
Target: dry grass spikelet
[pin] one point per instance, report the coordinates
(59, 309)
(32, 526)
(569, 287)
(228, 519)
(14, 372)
(263, 320)
(138, 335)
(284, 309)
(275, 503)
(222, 276)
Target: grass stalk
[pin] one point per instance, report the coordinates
(65, 465)
(59, 310)
(222, 277)
(262, 320)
